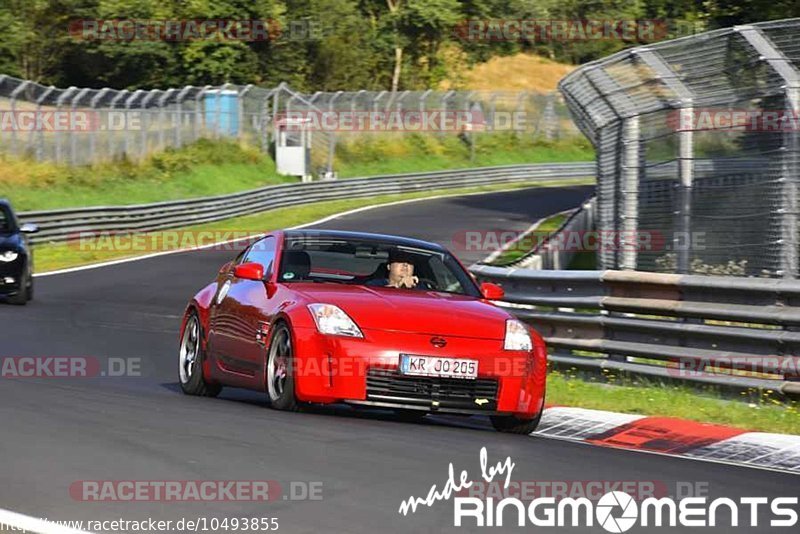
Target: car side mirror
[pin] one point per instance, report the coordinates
(249, 271)
(29, 228)
(492, 291)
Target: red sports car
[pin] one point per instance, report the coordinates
(311, 316)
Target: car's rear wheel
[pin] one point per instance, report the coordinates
(514, 425)
(191, 355)
(280, 377)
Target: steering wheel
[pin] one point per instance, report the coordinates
(425, 283)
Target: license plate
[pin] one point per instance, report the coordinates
(439, 367)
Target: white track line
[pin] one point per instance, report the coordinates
(25, 523)
(313, 223)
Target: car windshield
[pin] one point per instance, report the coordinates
(5, 221)
(365, 262)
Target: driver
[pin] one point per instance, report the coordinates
(400, 271)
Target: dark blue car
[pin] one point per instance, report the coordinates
(16, 257)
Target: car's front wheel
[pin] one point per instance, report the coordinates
(514, 425)
(191, 361)
(280, 378)
(25, 292)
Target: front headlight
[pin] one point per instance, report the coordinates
(517, 336)
(333, 321)
(8, 256)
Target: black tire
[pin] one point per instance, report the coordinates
(30, 289)
(514, 425)
(23, 295)
(190, 373)
(279, 372)
(410, 416)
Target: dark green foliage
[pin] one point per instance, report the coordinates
(322, 45)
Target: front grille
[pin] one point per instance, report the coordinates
(391, 387)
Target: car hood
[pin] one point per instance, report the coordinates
(416, 311)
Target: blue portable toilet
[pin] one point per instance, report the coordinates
(222, 111)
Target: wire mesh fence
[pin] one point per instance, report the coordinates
(79, 126)
(720, 111)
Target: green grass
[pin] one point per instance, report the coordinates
(528, 242)
(218, 167)
(584, 260)
(414, 153)
(201, 169)
(766, 415)
(53, 256)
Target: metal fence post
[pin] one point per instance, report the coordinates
(179, 111)
(146, 121)
(39, 151)
(331, 137)
(58, 134)
(73, 138)
(621, 105)
(790, 174)
(354, 101)
(162, 103)
(423, 101)
(264, 114)
(549, 116)
(246, 89)
(376, 100)
(93, 103)
(13, 97)
(128, 131)
(199, 116)
(399, 101)
(121, 96)
(776, 59)
(630, 191)
(685, 97)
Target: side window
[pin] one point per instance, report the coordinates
(444, 277)
(262, 252)
(5, 220)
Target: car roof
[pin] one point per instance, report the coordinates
(384, 238)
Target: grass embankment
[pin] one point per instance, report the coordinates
(374, 155)
(218, 167)
(201, 169)
(529, 241)
(765, 414)
(517, 72)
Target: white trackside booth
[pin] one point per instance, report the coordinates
(293, 147)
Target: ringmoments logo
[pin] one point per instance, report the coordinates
(615, 511)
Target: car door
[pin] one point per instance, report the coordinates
(242, 312)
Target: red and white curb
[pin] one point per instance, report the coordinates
(674, 437)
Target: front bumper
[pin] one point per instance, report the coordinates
(10, 278)
(365, 371)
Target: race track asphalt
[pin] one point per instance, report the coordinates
(54, 432)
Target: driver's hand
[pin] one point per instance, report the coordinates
(409, 282)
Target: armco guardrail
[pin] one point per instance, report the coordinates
(61, 225)
(727, 331)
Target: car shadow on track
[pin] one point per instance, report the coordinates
(343, 410)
